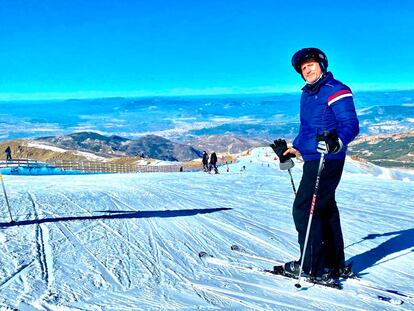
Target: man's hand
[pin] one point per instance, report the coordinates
(292, 152)
(282, 151)
(329, 142)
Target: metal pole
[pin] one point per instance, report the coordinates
(292, 182)
(7, 200)
(318, 177)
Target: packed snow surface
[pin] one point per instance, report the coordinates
(131, 241)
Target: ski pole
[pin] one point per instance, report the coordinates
(292, 182)
(7, 200)
(318, 177)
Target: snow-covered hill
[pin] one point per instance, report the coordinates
(131, 242)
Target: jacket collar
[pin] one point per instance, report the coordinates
(314, 88)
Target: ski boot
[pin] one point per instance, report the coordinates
(345, 272)
(326, 279)
(292, 268)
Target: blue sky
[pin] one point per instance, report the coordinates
(73, 48)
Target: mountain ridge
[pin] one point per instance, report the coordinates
(151, 146)
(386, 150)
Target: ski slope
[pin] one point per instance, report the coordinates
(131, 241)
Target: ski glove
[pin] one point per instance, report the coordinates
(279, 147)
(329, 142)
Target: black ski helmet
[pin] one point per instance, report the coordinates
(308, 53)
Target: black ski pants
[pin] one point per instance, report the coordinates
(325, 247)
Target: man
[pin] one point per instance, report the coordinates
(213, 163)
(8, 153)
(328, 123)
(205, 161)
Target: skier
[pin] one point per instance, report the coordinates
(213, 163)
(328, 124)
(205, 161)
(8, 153)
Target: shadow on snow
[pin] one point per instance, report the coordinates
(402, 240)
(117, 215)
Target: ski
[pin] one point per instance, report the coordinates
(361, 283)
(279, 270)
(354, 279)
(244, 252)
(226, 263)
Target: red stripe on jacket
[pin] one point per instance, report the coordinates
(338, 94)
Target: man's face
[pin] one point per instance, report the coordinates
(311, 70)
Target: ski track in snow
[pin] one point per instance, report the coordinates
(146, 256)
(230, 225)
(107, 228)
(108, 275)
(44, 253)
(16, 274)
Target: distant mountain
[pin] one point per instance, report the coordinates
(392, 150)
(224, 143)
(261, 117)
(386, 119)
(160, 148)
(151, 146)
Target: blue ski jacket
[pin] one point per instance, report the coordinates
(325, 106)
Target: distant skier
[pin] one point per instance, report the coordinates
(205, 161)
(213, 163)
(8, 153)
(223, 161)
(328, 124)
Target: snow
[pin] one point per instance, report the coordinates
(131, 241)
(90, 156)
(46, 147)
(163, 163)
(87, 155)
